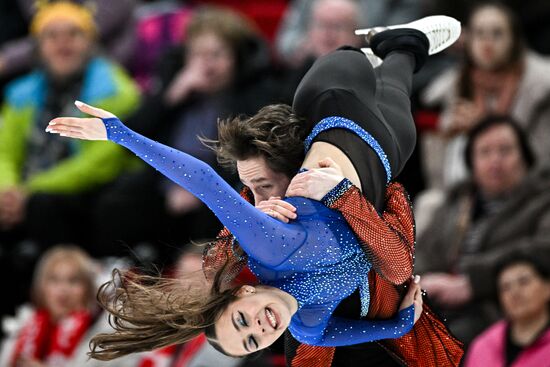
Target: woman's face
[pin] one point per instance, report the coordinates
(523, 293)
(255, 320)
(63, 289)
(214, 59)
(497, 161)
(65, 48)
(490, 38)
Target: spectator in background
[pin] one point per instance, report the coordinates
(115, 28)
(332, 25)
(160, 25)
(219, 72)
(498, 76)
(522, 339)
(57, 329)
(503, 208)
(13, 27)
(316, 27)
(46, 182)
(534, 16)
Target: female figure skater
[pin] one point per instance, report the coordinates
(310, 264)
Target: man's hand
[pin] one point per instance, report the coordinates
(191, 78)
(278, 209)
(180, 201)
(448, 290)
(12, 207)
(317, 182)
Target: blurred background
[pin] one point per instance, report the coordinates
(71, 210)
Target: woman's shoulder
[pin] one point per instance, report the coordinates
(536, 79)
(492, 338)
(13, 324)
(488, 348)
(309, 208)
(11, 327)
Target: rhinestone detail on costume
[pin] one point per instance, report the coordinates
(337, 122)
(316, 258)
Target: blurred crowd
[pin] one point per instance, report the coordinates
(69, 210)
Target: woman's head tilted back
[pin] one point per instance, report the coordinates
(253, 321)
(151, 312)
(64, 281)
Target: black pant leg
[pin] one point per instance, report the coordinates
(344, 84)
(393, 99)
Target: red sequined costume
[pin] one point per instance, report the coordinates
(388, 241)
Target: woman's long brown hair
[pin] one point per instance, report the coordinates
(150, 312)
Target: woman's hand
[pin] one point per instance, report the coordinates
(413, 297)
(465, 115)
(81, 127)
(317, 182)
(278, 209)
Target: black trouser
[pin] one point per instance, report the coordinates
(345, 84)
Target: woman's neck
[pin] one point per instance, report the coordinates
(290, 300)
(524, 332)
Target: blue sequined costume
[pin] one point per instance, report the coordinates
(316, 258)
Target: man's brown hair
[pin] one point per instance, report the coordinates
(274, 133)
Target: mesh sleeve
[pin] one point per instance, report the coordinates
(388, 239)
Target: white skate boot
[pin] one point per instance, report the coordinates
(442, 31)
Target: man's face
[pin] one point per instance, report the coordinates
(497, 162)
(332, 25)
(64, 48)
(262, 180)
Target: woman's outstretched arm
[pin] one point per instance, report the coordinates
(250, 226)
(341, 331)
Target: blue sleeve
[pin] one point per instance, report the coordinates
(341, 331)
(251, 227)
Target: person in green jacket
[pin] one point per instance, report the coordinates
(37, 171)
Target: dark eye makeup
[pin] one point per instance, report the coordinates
(251, 340)
(242, 320)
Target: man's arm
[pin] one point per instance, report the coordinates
(387, 238)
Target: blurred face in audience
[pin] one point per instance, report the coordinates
(332, 25)
(63, 288)
(491, 41)
(64, 48)
(524, 294)
(214, 59)
(497, 161)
